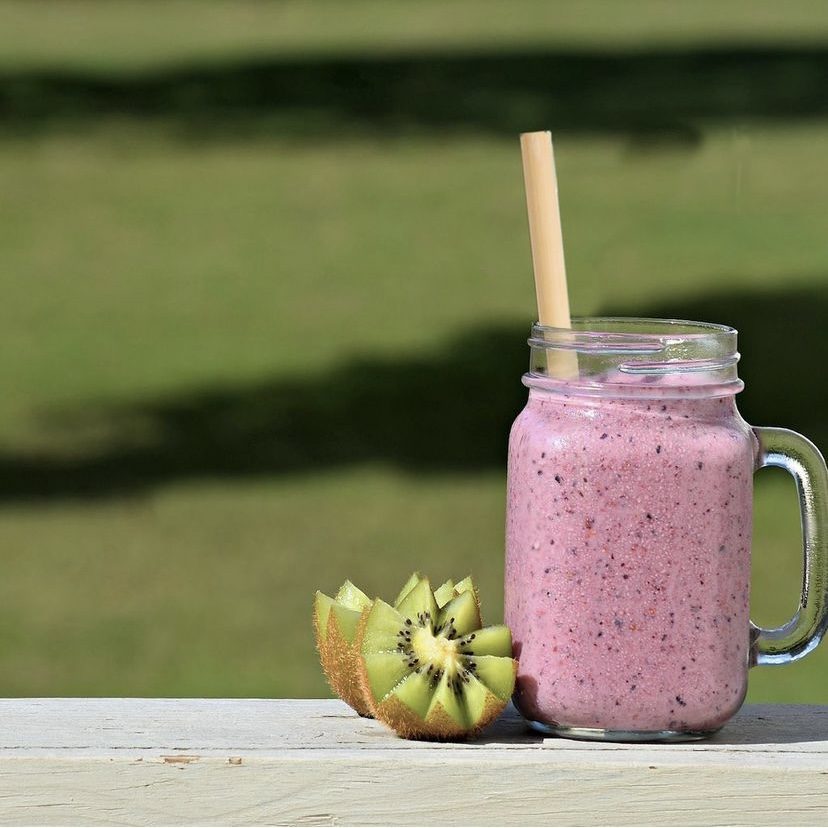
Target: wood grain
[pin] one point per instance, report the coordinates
(314, 762)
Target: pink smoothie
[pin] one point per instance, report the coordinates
(628, 560)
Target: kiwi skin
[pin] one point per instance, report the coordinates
(340, 664)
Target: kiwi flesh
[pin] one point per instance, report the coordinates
(444, 593)
(431, 672)
(467, 585)
(448, 590)
(413, 580)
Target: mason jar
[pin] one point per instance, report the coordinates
(628, 532)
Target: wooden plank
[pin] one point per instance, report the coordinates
(308, 762)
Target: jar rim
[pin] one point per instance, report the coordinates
(631, 328)
(635, 355)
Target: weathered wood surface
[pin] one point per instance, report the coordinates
(225, 761)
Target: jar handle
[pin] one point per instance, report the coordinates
(801, 459)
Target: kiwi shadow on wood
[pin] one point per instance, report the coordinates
(509, 728)
(441, 411)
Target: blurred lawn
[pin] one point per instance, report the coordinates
(165, 297)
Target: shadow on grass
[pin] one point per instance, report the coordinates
(654, 94)
(448, 411)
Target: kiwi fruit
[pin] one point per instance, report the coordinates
(337, 626)
(430, 671)
(336, 623)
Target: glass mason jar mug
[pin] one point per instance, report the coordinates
(628, 532)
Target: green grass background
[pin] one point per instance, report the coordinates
(185, 309)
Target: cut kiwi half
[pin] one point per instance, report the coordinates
(431, 672)
(336, 622)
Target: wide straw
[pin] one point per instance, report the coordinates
(546, 238)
